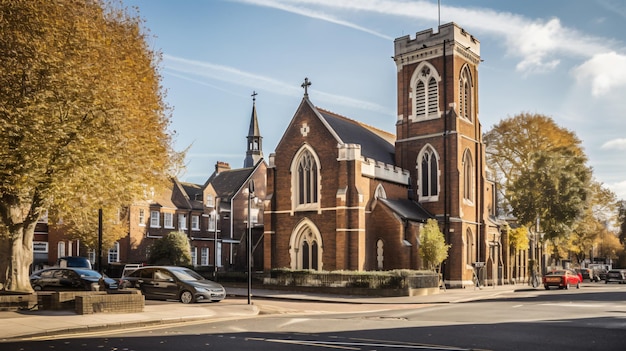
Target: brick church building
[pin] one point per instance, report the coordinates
(342, 195)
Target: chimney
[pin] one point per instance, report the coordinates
(221, 166)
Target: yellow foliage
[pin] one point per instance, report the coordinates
(84, 122)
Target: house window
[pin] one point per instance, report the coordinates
(194, 255)
(155, 219)
(182, 222)
(114, 253)
(204, 256)
(428, 172)
(468, 177)
(168, 220)
(142, 217)
(212, 221)
(465, 91)
(210, 201)
(91, 255)
(306, 174)
(195, 223)
(425, 92)
(61, 249)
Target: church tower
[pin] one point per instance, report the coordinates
(254, 152)
(439, 139)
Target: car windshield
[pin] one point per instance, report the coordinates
(556, 273)
(87, 273)
(186, 274)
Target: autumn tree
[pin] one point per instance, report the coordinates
(83, 121)
(542, 171)
(621, 221)
(172, 249)
(513, 145)
(432, 247)
(599, 216)
(518, 242)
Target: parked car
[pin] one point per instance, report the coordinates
(173, 283)
(616, 276)
(70, 278)
(587, 274)
(562, 278)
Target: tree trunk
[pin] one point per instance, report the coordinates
(16, 257)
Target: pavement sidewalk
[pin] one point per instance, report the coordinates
(22, 324)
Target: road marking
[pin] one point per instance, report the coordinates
(586, 305)
(358, 345)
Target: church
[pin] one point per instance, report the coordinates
(342, 195)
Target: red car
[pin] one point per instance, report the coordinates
(562, 279)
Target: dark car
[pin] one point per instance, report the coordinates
(70, 278)
(587, 274)
(616, 276)
(173, 283)
(562, 278)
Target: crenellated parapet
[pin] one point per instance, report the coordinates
(428, 44)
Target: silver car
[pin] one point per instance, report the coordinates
(173, 283)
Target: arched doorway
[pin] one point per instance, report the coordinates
(305, 246)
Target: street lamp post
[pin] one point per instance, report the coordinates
(215, 217)
(249, 244)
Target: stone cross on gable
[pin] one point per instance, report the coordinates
(306, 85)
(304, 130)
(254, 94)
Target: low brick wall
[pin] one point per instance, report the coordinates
(15, 302)
(374, 284)
(132, 301)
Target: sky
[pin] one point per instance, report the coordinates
(565, 59)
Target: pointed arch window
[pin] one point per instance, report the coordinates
(468, 177)
(428, 175)
(305, 180)
(307, 245)
(465, 91)
(470, 256)
(425, 92)
(380, 192)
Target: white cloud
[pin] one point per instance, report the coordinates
(619, 189)
(605, 72)
(615, 144)
(195, 71)
(540, 44)
(282, 5)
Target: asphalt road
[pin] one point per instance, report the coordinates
(591, 318)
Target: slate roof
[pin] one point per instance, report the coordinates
(228, 182)
(375, 143)
(407, 209)
(194, 195)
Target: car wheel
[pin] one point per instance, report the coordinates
(547, 287)
(186, 297)
(566, 287)
(578, 285)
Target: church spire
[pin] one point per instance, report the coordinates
(255, 150)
